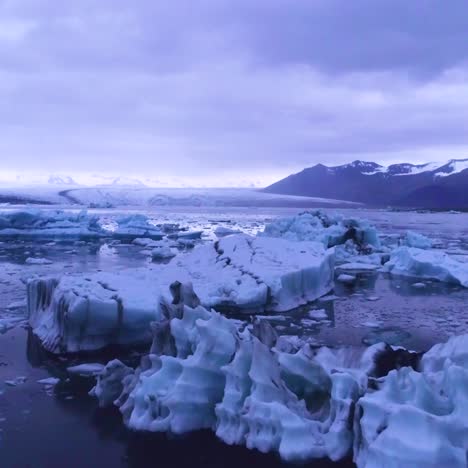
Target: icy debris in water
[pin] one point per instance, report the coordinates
(162, 251)
(419, 285)
(37, 261)
(272, 318)
(16, 381)
(189, 235)
(17, 304)
(372, 298)
(86, 370)
(347, 279)
(389, 335)
(50, 381)
(186, 243)
(9, 323)
(222, 231)
(328, 298)
(355, 266)
(319, 314)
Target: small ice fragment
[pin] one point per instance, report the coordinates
(372, 298)
(347, 279)
(354, 266)
(16, 381)
(320, 314)
(371, 324)
(418, 285)
(49, 381)
(37, 261)
(86, 370)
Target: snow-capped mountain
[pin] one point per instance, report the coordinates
(60, 180)
(432, 185)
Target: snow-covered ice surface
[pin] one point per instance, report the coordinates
(239, 272)
(427, 264)
(376, 306)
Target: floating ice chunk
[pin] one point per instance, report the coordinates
(189, 235)
(222, 231)
(419, 285)
(413, 239)
(388, 335)
(110, 382)
(75, 313)
(86, 370)
(329, 230)
(344, 278)
(417, 418)
(16, 381)
(319, 314)
(37, 261)
(256, 274)
(136, 225)
(49, 382)
(429, 264)
(162, 251)
(145, 242)
(87, 313)
(47, 224)
(203, 372)
(355, 266)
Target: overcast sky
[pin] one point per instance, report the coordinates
(230, 90)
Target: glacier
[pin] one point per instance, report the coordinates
(87, 312)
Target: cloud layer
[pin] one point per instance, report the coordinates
(245, 89)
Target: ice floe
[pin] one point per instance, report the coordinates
(34, 223)
(427, 264)
(331, 230)
(74, 313)
(136, 226)
(417, 418)
(205, 371)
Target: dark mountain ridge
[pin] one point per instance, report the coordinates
(432, 185)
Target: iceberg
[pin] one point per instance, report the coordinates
(417, 418)
(136, 226)
(385, 405)
(87, 312)
(73, 314)
(327, 229)
(427, 264)
(204, 371)
(34, 223)
(414, 239)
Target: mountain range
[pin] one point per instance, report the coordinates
(431, 185)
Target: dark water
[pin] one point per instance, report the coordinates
(62, 427)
